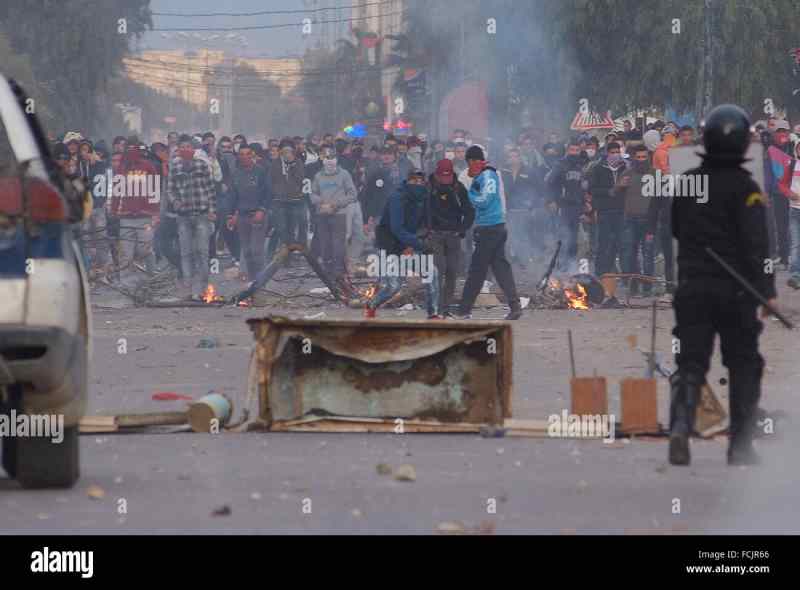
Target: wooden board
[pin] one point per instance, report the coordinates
(526, 428)
(589, 396)
(639, 403)
(98, 424)
(356, 424)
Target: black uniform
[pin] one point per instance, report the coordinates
(709, 301)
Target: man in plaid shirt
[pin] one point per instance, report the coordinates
(191, 195)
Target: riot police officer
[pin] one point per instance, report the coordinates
(731, 220)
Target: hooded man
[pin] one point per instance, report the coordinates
(452, 215)
(489, 236)
(404, 233)
(381, 184)
(332, 193)
(519, 182)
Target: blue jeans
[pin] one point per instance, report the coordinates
(389, 286)
(794, 241)
(610, 226)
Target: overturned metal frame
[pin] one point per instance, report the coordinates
(447, 372)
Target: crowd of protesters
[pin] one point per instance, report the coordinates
(175, 204)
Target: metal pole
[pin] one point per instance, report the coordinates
(708, 77)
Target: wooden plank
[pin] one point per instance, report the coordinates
(98, 424)
(639, 403)
(355, 424)
(589, 396)
(526, 428)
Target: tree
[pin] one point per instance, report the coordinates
(75, 49)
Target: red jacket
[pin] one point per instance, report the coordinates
(142, 189)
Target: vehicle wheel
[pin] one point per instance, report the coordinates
(42, 463)
(8, 446)
(10, 456)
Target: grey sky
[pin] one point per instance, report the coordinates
(274, 42)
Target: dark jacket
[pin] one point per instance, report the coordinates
(451, 209)
(603, 188)
(733, 223)
(287, 183)
(520, 191)
(250, 190)
(379, 188)
(636, 204)
(566, 182)
(403, 218)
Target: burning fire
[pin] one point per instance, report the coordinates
(210, 295)
(577, 299)
(369, 292)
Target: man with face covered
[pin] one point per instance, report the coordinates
(565, 201)
(606, 188)
(332, 192)
(404, 229)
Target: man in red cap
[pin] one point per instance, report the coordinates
(452, 214)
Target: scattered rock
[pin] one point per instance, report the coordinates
(383, 469)
(582, 486)
(42, 516)
(222, 511)
(661, 469)
(356, 513)
(255, 496)
(118, 479)
(184, 477)
(451, 528)
(405, 472)
(208, 343)
(95, 492)
(500, 451)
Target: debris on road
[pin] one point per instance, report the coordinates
(95, 492)
(222, 511)
(405, 472)
(105, 424)
(451, 528)
(169, 396)
(448, 372)
(210, 413)
(383, 469)
(208, 343)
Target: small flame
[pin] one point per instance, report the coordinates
(577, 299)
(369, 292)
(210, 295)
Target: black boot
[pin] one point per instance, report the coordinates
(516, 311)
(685, 394)
(745, 391)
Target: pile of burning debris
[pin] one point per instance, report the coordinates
(579, 292)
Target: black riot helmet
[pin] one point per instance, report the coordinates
(727, 131)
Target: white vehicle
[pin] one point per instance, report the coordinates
(45, 329)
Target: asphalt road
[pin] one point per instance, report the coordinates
(316, 483)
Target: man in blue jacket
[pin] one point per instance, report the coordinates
(404, 246)
(490, 236)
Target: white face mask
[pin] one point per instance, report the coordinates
(450, 155)
(591, 153)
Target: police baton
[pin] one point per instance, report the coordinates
(750, 289)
